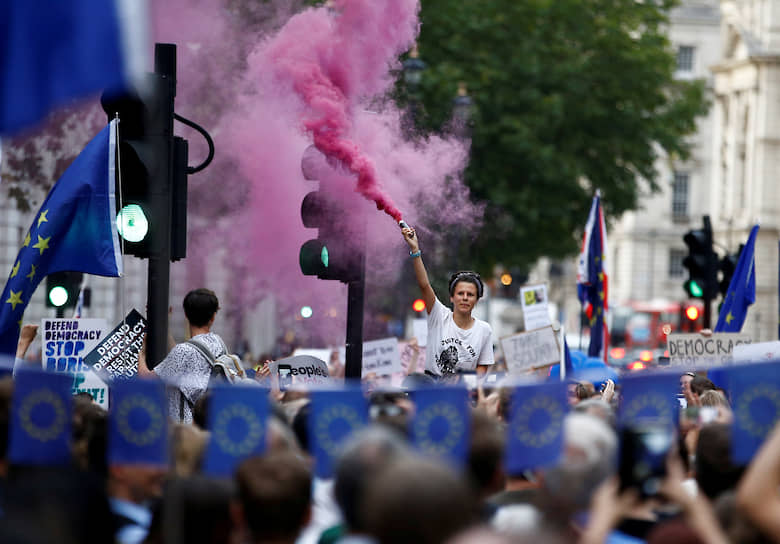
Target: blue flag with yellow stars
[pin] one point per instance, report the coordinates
(138, 423)
(73, 230)
(41, 412)
(334, 417)
(755, 400)
(442, 423)
(649, 397)
(535, 426)
(742, 289)
(237, 420)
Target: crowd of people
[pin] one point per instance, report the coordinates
(383, 490)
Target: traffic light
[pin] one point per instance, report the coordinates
(701, 262)
(336, 253)
(62, 289)
(727, 266)
(418, 305)
(145, 178)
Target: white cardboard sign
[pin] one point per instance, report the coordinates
(533, 299)
(382, 357)
(529, 350)
(760, 352)
(694, 350)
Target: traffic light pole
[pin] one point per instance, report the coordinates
(355, 295)
(158, 283)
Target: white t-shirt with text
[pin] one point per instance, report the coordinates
(452, 349)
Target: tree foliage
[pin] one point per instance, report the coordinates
(568, 96)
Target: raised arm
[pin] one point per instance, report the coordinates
(757, 493)
(419, 268)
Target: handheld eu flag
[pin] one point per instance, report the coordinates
(138, 423)
(649, 397)
(755, 396)
(41, 413)
(73, 230)
(742, 289)
(535, 429)
(335, 416)
(442, 423)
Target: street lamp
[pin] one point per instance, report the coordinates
(413, 68)
(461, 111)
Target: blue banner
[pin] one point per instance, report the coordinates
(138, 423)
(41, 414)
(334, 417)
(650, 397)
(442, 423)
(742, 289)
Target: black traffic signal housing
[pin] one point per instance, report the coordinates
(726, 267)
(62, 289)
(336, 253)
(701, 262)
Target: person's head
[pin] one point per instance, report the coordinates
(136, 483)
(274, 496)
(700, 384)
(486, 452)
(365, 454)
(465, 289)
(715, 471)
(598, 407)
(189, 445)
(416, 500)
(685, 383)
(714, 398)
(200, 307)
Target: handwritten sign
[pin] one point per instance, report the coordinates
(65, 345)
(116, 357)
(382, 357)
(699, 351)
(533, 299)
(529, 350)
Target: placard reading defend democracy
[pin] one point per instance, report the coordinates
(699, 351)
(528, 350)
(116, 357)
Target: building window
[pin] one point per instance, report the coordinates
(676, 269)
(680, 196)
(685, 58)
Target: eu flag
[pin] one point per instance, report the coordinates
(649, 396)
(41, 412)
(535, 428)
(592, 279)
(442, 423)
(138, 423)
(54, 52)
(755, 398)
(73, 230)
(742, 289)
(237, 419)
(334, 417)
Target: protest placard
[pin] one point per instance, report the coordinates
(529, 350)
(65, 344)
(420, 331)
(298, 370)
(694, 350)
(758, 352)
(533, 299)
(412, 357)
(116, 357)
(382, 357)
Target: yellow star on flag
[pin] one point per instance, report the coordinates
(601, 276)
(43, 244)
(601, 295)
(15, 298)
(729, 318)
(20, 322)
(42, 218)
(15, 269)
(26, 240)
(31, 275)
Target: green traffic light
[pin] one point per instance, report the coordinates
(131, 223)
(324, 256)
(58, 296)
(695, 289)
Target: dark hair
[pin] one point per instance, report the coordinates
(469, 277)
(486, 452)
(200, 306)
(275, 491)
(700, 384)
(716, 472)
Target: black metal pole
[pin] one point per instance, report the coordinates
(355, 294)
(707, 314)
(158, 284)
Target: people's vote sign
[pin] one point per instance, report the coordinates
(116, 357)
(529, 350)
(66, 343)
(699, 351)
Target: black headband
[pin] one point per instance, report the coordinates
(472, 277)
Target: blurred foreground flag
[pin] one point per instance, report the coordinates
(742, 289)
(237, 422)
(75, 230)
(41, 413)
(54, 52)
(335, 416)
(138, 423)
(755, 396)
(442, 423)
(650, 397)
(535, 429)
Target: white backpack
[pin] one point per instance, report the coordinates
(226, 368)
